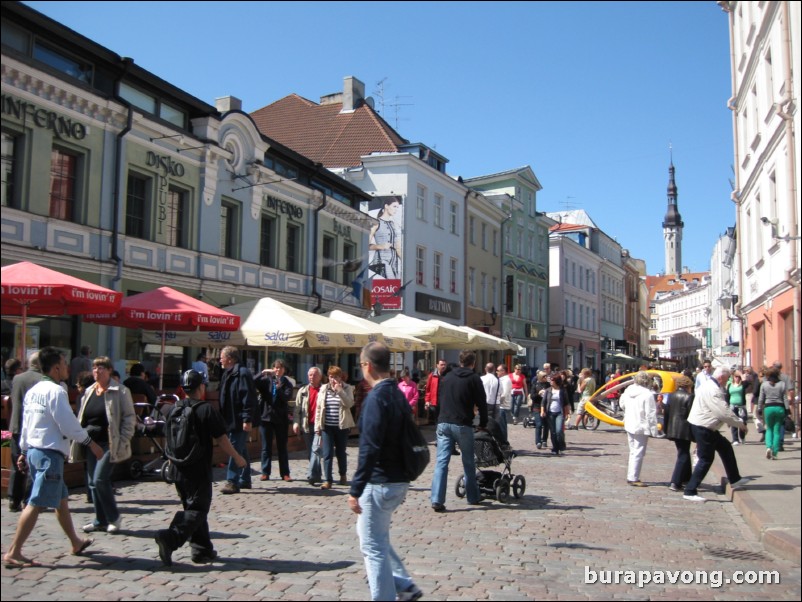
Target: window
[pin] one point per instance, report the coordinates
(328, 257)
(541, 298)
(153, 105)
(483, 287)
(520, 299)
(78, 69)
(471, 230)
(420, 264)
(293, 248)
(472, 286)
(484, 236)
(229, 229)
(267, 241)
(531, 302)
(494, 293)
(420, 207)
(454, 219)
(453, 275)
(495, 243)
(136, 206)
(349, 254)
(438, 210)
(438, 264)
(176, 214)
(10, 155)
(63, 184)
(509, 301)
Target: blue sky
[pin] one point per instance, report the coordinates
(590, 95)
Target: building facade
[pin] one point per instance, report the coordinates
(764, 45)
(524, 244)
(115, 176)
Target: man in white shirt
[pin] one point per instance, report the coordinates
(709, 411)
(491, 384)
(705, 374)
(504, 404)
(48, 426)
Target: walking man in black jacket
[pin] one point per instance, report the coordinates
(460, 390)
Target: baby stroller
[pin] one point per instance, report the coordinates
(150, 421)
(488, 452)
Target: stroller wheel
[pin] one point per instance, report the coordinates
(502, 491)
(518, 486)
(135, 469)
(167, 472)
(459, 488)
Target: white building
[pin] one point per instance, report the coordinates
(764, 45)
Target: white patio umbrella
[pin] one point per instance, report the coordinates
(394, 339)
(434, 331)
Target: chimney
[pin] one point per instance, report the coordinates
(353, 93)
(224, 104)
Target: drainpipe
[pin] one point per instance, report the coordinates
(115, 217)
(319, 305)
(784, 112)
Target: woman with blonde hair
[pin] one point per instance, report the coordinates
(333, 420)
(107, 414)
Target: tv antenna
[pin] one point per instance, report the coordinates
(379, 94)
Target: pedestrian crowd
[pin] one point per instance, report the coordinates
(46, 433)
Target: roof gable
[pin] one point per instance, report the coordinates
(324, 133)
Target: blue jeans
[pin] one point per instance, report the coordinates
(98, 480)
(517, 401)
(541, 428)
(556, 420)
(335, 438)
(313, 471)
(501, 419)
(739, 411)
(241, 477)
(447, 435)
(385, 570)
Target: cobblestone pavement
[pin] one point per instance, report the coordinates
(577, 520)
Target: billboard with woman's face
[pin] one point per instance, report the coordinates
(386, 250)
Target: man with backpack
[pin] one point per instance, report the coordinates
(191, 427)
(380, 482)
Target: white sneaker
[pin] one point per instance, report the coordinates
(738, 484)
(769, 454)
(91, 527)
(115, 526)
(694, 498)
(735, 443)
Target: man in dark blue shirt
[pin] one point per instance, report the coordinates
(379, 485)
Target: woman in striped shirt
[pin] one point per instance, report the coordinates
(333, 420)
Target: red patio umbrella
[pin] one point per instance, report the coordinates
(168, 309)
(30, 289)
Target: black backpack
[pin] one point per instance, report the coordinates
(183, 444)
(414, 448)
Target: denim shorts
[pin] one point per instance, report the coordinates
(47, 473)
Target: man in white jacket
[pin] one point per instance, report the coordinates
(709, 411)
(640, 423)
(48, 425)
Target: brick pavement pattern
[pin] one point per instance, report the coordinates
(291, 541)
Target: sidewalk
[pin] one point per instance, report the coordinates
(770, 504)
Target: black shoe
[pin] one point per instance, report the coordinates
(438, 507)
(455, 452)
(165, 553)
(12, 507)
(248, 486)
(204, 557)
(229, 489)
(674, 487)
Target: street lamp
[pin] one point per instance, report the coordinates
(774, 232)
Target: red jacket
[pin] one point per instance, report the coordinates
(431, 388)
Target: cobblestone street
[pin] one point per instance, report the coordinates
(290, 541)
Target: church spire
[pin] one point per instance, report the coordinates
(672, 225)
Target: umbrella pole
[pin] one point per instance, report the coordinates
(161, 360)
(24, 345)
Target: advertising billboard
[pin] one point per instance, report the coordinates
(386, 251)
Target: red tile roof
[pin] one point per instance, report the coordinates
(324, 134)
(671, 282)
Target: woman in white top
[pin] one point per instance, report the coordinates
(640, 423)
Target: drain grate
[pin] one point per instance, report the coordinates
(734, 554)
